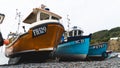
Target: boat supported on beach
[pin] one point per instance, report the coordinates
(39, 41)
(98, 51)
(74, 47)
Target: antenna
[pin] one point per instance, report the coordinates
(68, 22)
(18, 16)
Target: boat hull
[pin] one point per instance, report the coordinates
(42, 37)
(98, 51)
(76, 48)
(72, 56)
(32, 56)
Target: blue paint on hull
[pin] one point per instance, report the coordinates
(76, 48)
(97, 50)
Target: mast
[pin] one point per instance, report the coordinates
(68, 23)
(18, 15)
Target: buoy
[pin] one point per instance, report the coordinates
(6, 42)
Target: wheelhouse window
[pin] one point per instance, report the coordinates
(80, 33)
(54, 18)
(75, 33)
(44, 16)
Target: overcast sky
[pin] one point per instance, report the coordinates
(89, 15)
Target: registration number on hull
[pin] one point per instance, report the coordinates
(39, 30)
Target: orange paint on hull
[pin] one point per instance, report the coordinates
(27, 42)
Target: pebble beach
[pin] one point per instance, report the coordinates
(108, 63)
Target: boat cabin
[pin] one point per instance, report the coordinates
(40, 14)
(74, 32)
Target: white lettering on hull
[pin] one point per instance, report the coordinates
(39, 31)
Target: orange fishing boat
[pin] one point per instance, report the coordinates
(39, 41)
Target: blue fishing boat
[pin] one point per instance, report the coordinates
(74, 45)
(98, 51)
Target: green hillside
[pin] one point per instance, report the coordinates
(105, 35)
